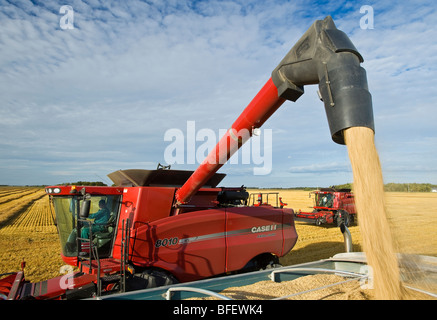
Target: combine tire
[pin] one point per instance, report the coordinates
(345, 218)
(267, 261)
(261, 262)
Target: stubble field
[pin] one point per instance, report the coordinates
(27, 230)
(412, 218)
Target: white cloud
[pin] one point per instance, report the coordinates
(131, 70)
(321, 168)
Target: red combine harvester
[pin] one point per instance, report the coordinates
(331, 206)
(158, 227)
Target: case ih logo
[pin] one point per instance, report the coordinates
(270, 227)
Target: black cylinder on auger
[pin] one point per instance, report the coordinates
(326, 56)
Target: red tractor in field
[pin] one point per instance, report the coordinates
(158, 227)
(331, 206)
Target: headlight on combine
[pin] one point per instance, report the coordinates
(53, 190)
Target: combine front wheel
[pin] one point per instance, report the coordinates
(343, 217)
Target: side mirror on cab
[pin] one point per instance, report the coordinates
(85, 208)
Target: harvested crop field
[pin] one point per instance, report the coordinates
(27, 231)
(412, 218)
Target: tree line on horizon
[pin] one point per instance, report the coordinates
(85, 183)
(388, 187)
(398, 187)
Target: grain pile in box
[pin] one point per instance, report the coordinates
(267, 290)
(311, 287)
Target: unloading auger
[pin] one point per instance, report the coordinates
(324, 55)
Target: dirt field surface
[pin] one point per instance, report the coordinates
(27, 231)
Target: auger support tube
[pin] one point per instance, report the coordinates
(325, 56)
(263, 105)
(347, 238)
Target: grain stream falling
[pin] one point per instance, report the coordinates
(373, 222)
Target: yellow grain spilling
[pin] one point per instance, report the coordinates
(373, 222)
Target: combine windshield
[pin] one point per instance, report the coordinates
(324, 200)
(67, 213)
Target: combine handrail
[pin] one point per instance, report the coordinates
(421, 291)
(167, 294)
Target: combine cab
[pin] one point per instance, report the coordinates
(331, 206)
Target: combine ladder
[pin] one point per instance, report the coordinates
(96, 265)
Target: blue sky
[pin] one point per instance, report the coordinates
(77, 104)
